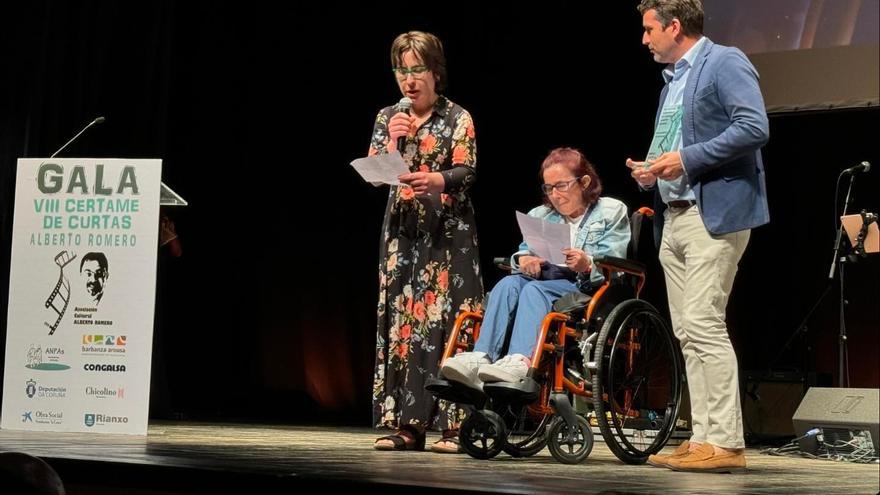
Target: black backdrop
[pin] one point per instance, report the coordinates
(256, 109)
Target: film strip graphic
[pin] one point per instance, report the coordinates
(61, 293)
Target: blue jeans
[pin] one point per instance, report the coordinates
(526, 300)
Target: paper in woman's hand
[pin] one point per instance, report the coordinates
(381, 169)
(545, 239)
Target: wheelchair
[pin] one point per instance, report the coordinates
(611, 349)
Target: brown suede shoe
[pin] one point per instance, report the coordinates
(660, 460)
(704, 460)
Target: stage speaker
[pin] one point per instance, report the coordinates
(839, 413)
(769, 399)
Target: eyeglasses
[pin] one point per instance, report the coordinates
(417, 71)
(562, 187)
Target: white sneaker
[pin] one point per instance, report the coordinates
(462, 368)
(511, 368)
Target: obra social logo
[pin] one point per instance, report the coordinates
(92, 419)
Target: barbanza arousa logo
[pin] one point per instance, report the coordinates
(58, 300)
(103, 345)
(45, 359)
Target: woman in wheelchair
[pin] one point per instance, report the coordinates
(599, 227)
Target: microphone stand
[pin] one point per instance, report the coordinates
(98, 120)
(842, 356)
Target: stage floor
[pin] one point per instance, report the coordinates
(235, 458)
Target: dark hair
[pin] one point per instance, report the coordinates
(99, 257)
(427, 47)
(575, 161)
(27, 475)
(688, 12)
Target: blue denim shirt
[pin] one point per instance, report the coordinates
(605, 232)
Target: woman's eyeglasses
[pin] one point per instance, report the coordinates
(417, 71)
(562, 187)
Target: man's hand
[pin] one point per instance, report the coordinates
(667, 166)
(641, 174)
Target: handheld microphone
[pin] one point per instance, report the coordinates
(404, 106)
(99, 120)
(862, 167)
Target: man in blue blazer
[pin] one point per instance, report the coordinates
(705, 167)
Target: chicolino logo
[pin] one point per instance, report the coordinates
(48, 359)
(103, 345)
(105, 392)
(92, 419)
(107, 368)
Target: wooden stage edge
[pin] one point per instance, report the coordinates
(201, 458)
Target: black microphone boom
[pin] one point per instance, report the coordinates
(99, 120)
(404, 105)
(862, 167)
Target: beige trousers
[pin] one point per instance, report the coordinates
(700, 269)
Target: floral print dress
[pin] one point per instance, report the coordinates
(429, 268)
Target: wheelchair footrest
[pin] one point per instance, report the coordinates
(520, 392)
(455, 392)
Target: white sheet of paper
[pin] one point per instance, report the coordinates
(381, 169)
(545, 239)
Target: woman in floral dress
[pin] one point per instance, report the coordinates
(429, 266)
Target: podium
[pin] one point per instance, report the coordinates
(82, 293)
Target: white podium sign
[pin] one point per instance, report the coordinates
(81, 295)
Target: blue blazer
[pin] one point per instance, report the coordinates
(724, 125)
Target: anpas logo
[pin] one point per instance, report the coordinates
(48, 417)
(93, 419)
(48, 359)
(105, 392)
(30, 388)
(109, 368)
(103, 345)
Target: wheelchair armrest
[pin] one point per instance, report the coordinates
(620, 264)
(502, 263)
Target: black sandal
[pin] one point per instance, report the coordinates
(399, 439)
(450, 436)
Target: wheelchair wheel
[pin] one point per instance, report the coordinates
(526, 430)
(638, 382)
(570, 445)
(482, 434)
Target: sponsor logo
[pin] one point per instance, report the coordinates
(109, 368)
(92, 419)
(31, 388)
(105, 392)
(48, 359)
(43, 417)
(103, 345)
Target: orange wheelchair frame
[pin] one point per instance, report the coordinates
(612, 335)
